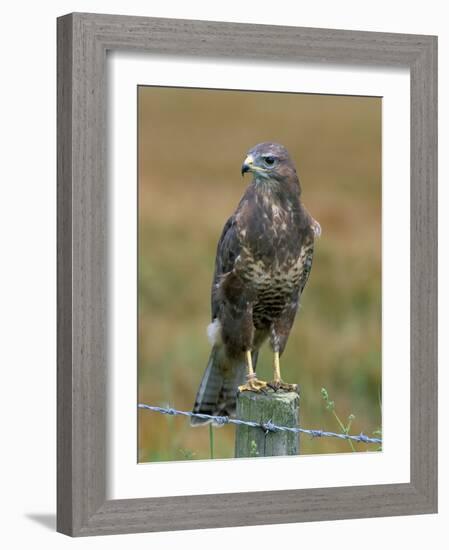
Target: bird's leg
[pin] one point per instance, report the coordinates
(278, 383)
(253, 383)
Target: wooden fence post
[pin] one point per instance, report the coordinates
(282, 408)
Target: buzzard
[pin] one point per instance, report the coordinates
(263, 261)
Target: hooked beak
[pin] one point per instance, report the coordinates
(248, 164)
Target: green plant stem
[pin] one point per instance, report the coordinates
(343, 429)
(211, 440)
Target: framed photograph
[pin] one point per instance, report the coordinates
(247, 240)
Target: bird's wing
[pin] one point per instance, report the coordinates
(307, 253)
(228, 249)
(307, 249)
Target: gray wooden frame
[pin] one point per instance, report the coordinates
(83, 40)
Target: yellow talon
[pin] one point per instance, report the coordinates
(278, 383)
(253, 384)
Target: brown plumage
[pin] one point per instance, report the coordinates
(264, 257)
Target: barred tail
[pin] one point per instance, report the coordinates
(218, 388)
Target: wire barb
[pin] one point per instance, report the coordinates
(265, 426)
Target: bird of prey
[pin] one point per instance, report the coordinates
(263, 261)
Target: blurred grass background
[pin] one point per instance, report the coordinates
(191, 146)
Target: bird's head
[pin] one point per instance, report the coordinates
(269, 161)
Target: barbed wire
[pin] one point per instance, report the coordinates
(265, 426)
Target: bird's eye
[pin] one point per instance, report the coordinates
(269, 161)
